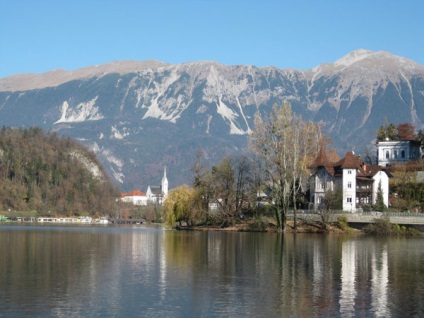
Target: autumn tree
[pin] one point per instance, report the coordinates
(406, 131)
(179, 206)
(287, 145)
(231, 187)
(403, 131)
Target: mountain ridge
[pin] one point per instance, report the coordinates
(141, 116)
(56, 77)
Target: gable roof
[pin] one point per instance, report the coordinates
(350, 161)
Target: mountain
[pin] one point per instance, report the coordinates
(140, 116)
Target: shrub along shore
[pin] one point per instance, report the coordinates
(380, 227)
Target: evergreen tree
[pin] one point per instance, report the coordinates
(387, 131)
(379, 205)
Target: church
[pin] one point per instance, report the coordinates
(157, 194)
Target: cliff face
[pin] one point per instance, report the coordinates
(140, 116)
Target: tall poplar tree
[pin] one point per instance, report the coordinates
(286, 144)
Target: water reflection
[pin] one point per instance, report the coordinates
(348, 279)
(147, 271)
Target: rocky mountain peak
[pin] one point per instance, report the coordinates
(139, 116)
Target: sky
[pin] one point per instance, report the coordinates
(37, 36)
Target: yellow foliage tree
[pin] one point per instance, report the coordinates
(179, 206)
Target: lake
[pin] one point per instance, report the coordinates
(147, 271)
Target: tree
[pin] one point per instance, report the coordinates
(178, 206)
(287, 145)
(333, 200)
(406, 131)
(379, 205)
(231, 187)
(387, 131)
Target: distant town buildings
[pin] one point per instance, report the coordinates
(154, 194)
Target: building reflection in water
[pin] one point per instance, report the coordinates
(364, 279)
(348, 275)
(380, 281)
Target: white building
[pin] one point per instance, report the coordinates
(135, 197)
(359, 181)
(398, 151)
(157, 194)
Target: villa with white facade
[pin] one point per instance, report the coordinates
(136, 197)
(359, 181)
(398, 151)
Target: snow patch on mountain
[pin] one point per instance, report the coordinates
(117, 134)
(229, 116)
(80, 113)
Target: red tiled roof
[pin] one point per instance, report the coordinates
(350, 161)
(134, 193)
(322, 161)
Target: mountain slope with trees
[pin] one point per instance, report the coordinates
(51, 175)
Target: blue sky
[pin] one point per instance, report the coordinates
(41, 35)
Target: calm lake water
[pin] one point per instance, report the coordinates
(71, 271)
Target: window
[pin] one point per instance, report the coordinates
(349, 185)
(395, 154)
(349, 199)
(403, 153)
(349, 171)
(387, 154)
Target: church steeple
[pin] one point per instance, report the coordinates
(164, 184)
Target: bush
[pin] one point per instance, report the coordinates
(379, 227)
(342, 223)
(257, 225)
(384, 227)
(366, 208)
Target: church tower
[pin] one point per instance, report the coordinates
(164, 184)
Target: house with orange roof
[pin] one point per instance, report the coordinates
(136, 197)
(359, 181)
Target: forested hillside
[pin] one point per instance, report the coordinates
(51, 175)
